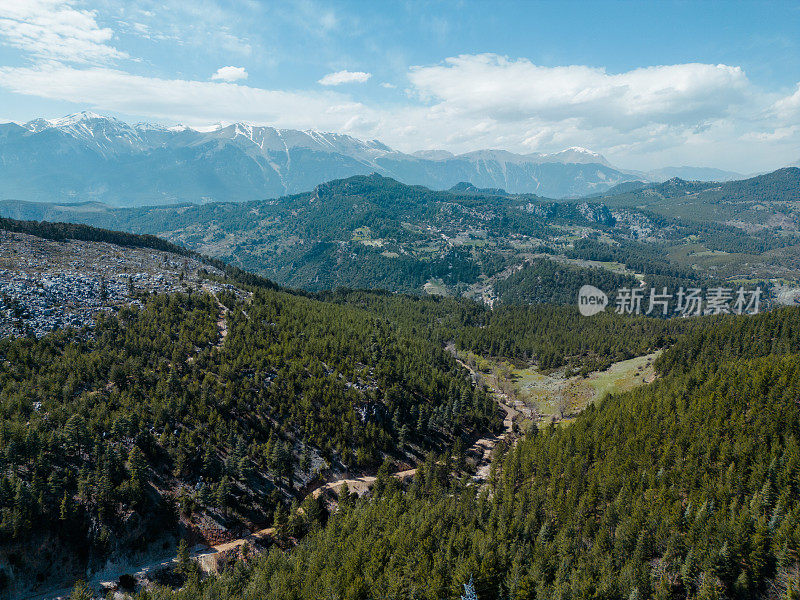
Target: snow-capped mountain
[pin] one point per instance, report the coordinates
(577, 155)
(86, 156)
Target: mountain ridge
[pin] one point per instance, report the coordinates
(373, 231)
(87, 156)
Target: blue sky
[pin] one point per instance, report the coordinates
(645, 83)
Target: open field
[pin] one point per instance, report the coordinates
(554, 396)
(436, 287)
(562, 398)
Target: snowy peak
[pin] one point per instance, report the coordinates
(83, 118)
(112, 161)
(106, 134)
(266, 139)
(576, 155)
(113, 135)
(38, 125)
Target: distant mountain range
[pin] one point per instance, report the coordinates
(692, 174)
(89, 157)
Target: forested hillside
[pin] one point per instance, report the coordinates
(99, 434)
(683, 489)
(665, 491)
(544, 281)
(546, 335)
(374, 232)
(762, 202)
(99, 428)
(551, 336)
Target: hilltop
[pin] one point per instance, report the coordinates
(376, 232)
(764, 202)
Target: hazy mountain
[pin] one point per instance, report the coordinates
(765, 202)
(781, 186)
(623, 188)
(88, 157)
(693, 174)
(363, 231)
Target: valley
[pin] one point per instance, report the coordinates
(374, 232)
(362, 347)
(289, 474)
(617, 379)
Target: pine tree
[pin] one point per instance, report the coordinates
(81, 591)
(137, 467)
(222, 493)
(65, 508)
(183, 557)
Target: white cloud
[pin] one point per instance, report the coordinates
(788, 107)
(56, 30)
(388, 86)
(515, 90)
(669, 114)
(229, 74)
(777, 135)
(186, 101)
(642, 118)
(341, 77)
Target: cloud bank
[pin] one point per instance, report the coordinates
(706, 114)
(56, 30)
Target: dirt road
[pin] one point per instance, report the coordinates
(486, 445)
(207, 557)
(361, 484)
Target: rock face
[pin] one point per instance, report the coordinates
(89, 157)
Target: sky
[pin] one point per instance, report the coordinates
(646, 84)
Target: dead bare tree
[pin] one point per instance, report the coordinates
(562, 403)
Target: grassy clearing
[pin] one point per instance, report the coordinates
(558, 397)
(436, 287)
(554, 396)
(697, 254)
(362, 233)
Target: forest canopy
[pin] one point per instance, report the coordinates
(684, 489)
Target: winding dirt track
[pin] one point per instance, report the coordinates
(207, 558)
(484, 447)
